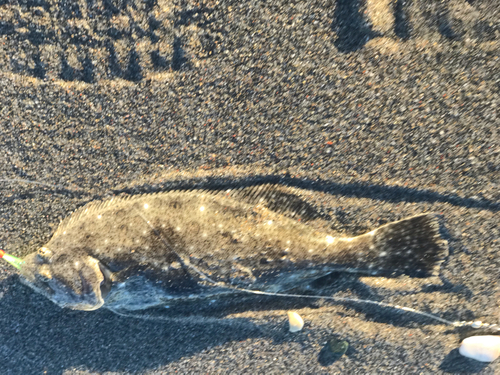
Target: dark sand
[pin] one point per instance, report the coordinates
(382, 109)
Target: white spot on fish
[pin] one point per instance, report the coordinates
(372, 233)
(76, 264)
(202, 208)
(269, 222)
(146, 206)
(64, 232)
(346, 239)
(330, 239)
(382, 253)
(204, 234)
(220, 225)
(178, 229)
(99, 216)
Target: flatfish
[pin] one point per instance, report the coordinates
(136, 252)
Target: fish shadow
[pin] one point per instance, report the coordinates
(385, 193)
(37, 336)
(333, 284)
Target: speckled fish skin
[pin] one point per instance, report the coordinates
(137, 252)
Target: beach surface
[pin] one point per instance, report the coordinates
(381, 109)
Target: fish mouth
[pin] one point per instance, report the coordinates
(107, 282)
(101, 292)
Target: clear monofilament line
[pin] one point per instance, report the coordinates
(186, 263)
(473, 324)
(353, 300)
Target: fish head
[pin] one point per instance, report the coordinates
(70, 279)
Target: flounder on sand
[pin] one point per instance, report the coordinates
(135, 252)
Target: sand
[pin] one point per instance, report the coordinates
(381, 109)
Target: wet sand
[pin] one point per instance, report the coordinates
(381, 109)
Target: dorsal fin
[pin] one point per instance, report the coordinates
(90, 208)
(278, 198)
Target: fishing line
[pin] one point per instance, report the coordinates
(17, 262)
(473, 324)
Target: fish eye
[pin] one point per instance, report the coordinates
(43, 255)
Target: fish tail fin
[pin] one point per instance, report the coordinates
(411, 246)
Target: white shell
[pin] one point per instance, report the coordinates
(295, 321)
(476, 324)
(481, 348)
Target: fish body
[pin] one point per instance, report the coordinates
(136, 252)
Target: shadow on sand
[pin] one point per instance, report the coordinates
(38, 336)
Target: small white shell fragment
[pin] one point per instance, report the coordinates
(481, 348)
(295, 321)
